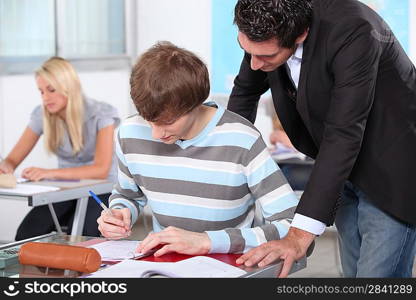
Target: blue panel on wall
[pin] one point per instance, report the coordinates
(226, 53)
(396, 15)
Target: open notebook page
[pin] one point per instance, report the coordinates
(117, 250)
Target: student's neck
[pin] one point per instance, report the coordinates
(202, 118)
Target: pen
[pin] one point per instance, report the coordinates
(105, 208)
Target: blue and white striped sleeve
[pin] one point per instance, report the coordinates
(273, 195)
(126, 193)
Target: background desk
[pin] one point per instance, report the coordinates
(69, 190)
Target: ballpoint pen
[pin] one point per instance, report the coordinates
(98, 200)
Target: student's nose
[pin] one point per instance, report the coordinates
(157, 132)
(256, 63)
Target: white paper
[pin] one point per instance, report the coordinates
(21, 180)
(117, 250)
(195, 267)
(28, 189)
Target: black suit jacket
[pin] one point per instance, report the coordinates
(354, 111)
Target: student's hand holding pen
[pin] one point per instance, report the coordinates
(115, 223)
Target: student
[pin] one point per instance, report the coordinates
(79, 131)
(345, 92)
(199, 167)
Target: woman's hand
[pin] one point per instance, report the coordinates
(116, 225)
(6, 167)
(177, 240)
(36, 174)
(279, 136)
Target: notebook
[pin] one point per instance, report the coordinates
(118, 250)
(194, 267)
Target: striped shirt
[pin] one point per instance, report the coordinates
(210, 183)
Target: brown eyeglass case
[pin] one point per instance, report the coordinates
(59, 256)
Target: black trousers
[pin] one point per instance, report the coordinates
(39, 220)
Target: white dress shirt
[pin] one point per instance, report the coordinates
(300, 221)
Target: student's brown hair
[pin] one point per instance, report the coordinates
(168, 82)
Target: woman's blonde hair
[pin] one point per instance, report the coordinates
(61, 75)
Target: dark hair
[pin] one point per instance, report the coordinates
(168, 82)
(262, 20)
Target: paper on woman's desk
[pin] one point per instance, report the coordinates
(28, 189)
(194, 267)
(117, 250)
(21, 180)
(282, 152)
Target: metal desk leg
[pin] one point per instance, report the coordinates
(79, 217)
(55, 218)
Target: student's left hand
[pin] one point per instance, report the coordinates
(36, 174)
(177, 240)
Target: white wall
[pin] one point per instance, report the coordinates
(186, 23)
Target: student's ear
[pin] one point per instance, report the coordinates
(302, 37)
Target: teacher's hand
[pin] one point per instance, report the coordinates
(291, 248)
(177, 240)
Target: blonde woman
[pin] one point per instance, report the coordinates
(79, 131)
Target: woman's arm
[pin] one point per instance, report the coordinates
(19, 152)
(98, 170)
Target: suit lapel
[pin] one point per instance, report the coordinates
(308, 49)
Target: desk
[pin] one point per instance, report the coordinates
(253, 272)
(68, 190)
(295, 161)
(33, 271)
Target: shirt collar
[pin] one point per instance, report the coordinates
(298, 53)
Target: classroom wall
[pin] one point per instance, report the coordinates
(186, 23)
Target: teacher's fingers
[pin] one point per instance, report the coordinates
(252, 257)
(287, 265)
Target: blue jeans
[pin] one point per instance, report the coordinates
(372, 243)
